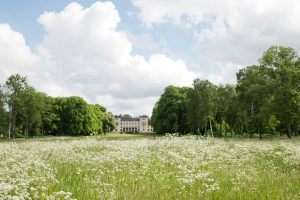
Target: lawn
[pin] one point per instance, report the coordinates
(107, 136)
(139, 167)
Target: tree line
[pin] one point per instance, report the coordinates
(25, 112)
(265, 101)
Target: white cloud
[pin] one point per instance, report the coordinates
(15, 55)
(228, 72)
(83, 53)
(231, 31)
(133, 106)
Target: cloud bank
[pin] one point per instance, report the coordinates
(82, 53)
(233, 33)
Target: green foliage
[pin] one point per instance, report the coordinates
(73, 116)
(93, 119)
(16, 85)
(3, 114)
(233, 117)
(271, 91)
(108, 122)
(169, 114)
(126, 116)
(202, 105)
(283, 68)
(266, 100)
(33, 113)
(30, 108)
(254, 95)
(272, 125)
(50, 118)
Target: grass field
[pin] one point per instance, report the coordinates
(121, 166)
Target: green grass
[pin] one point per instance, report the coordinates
(123, 136)
(107, 136)
(126, 166)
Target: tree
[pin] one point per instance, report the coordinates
(33, 113)
(127, 116)
(16, 84)
(3, 113)
(270, 92)
(75, 110)
(74, 116)
(30, 109)
(254, 93)
(49, 116)
(108, 122)
(202, 105)
(70, 112)
(226, 104)
(169, 114)
(235, 117)
(283, 67)
(93, 119)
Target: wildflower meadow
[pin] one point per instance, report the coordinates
(170, 167)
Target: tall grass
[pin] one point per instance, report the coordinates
(161, 168)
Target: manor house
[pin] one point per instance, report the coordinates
(133, 125)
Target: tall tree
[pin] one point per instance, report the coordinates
(3, 113)
(16, 84)
(48, 114)
(283, 67)
(169, 113)
(202, 105)
(93, 119)
(30, 110)
(108, 122)
(75, 110)
(225, 107)
(254, 92)
(74, 116)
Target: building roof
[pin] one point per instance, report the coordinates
(130, 119)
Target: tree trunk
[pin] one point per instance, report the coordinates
(225, 132)
(260, 134)
(42, 126)
(10, 122)
(221, 126)
(252, 120)
(14, 115)
(210, 125)
(26, 128)
(289, 130)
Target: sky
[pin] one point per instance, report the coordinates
(123, 53)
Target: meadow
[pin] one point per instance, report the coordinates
(137, 167)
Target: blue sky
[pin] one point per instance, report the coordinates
(122, 54)
(171, 39)
(22, 15)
